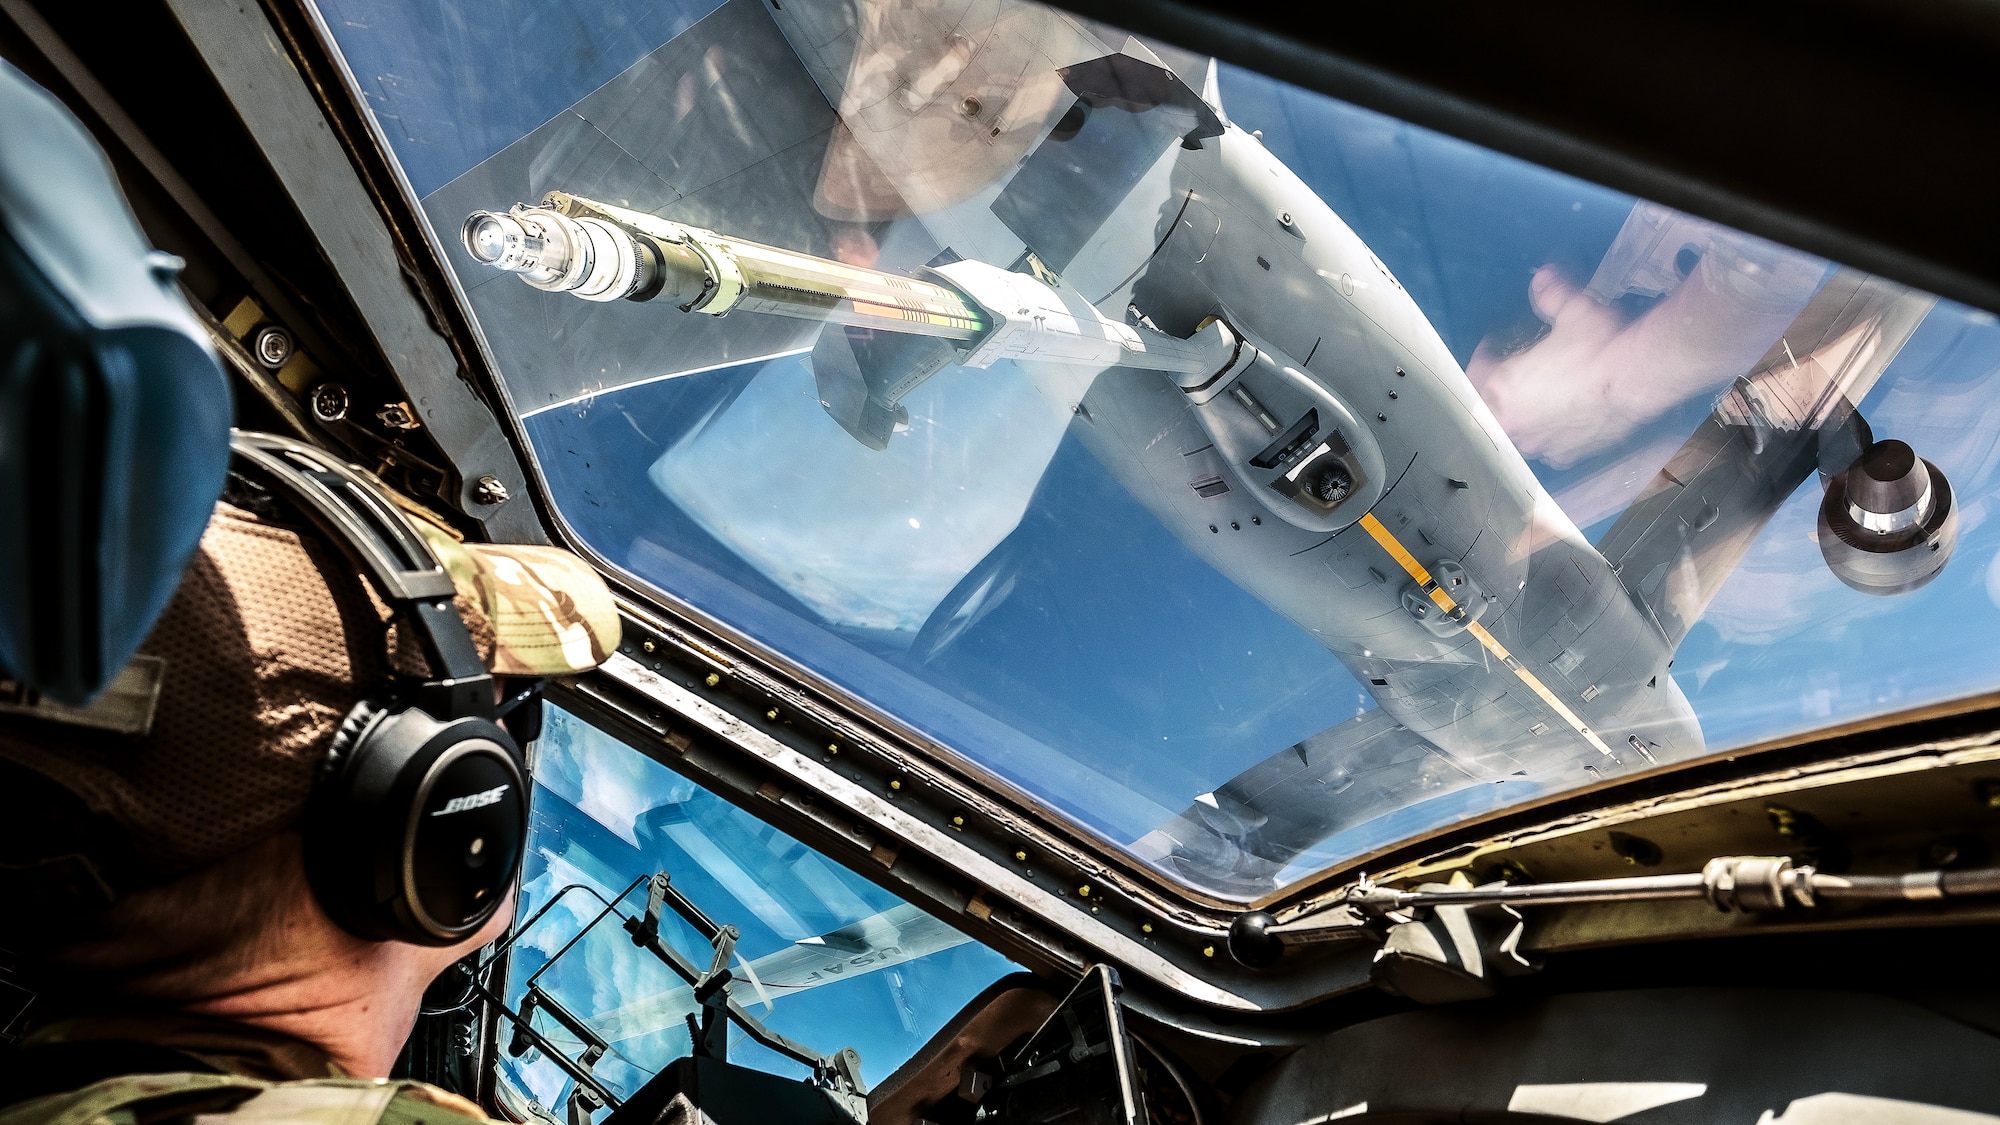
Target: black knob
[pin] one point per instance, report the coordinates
(1251, 941)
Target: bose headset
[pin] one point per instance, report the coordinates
(417, 819)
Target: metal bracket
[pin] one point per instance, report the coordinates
(1453, 953)
(838, 1074)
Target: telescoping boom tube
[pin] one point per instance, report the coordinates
(601, 252)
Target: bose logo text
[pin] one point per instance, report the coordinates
(477, 800)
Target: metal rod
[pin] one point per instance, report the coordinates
(568, 1019)
(516, 933)
(758, 278)
(609, 908)
(550, 1050)
(662, 892)
(741, 1017)
(1539, 894)
(1747, 883)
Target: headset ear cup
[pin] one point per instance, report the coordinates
(347, 736)
(338, 877)
(418, 815)
(416, 828)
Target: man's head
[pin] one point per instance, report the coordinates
(191, 828)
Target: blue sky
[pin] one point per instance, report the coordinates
(605, 815)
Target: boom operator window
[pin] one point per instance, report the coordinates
(825, 957)
(1252, 480)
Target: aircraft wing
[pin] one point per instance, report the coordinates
(881, 941)
(1691, 525)
(1240, 836)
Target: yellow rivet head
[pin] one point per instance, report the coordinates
(772, 714)
(895, 785)
(1083, 891)
(958, 822)
(1145, 927)
(1020, 857)
(648, 646)
(713, 679)
(1096, 910)
(833, 747)
(1208, 951)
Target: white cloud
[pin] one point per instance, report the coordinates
(871, 539)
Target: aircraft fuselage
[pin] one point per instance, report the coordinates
(1252, 244)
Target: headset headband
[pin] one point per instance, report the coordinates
(352, 511)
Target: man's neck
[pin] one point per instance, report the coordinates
(290, 971)
(357, 1005)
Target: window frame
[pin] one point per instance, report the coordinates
(1187, 928)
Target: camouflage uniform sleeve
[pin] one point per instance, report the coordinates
(116, 1101)
(227, 1100)
(418, 1104)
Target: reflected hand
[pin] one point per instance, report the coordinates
(1555, 397)
(1598, 376)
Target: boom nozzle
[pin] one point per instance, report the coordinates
(588, 257)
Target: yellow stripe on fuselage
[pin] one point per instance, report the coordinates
(1416, 570)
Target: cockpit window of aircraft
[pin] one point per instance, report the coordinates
(1253, 479)
(823, 957)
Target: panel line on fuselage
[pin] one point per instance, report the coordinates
(1417, 571)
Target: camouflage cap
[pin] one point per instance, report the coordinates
(210, 740)
(549, 612)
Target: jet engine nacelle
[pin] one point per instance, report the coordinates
(1888, 522)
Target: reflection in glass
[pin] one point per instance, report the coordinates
(1290, 480)
(825, 957)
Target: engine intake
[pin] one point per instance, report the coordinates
(1888, 523)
